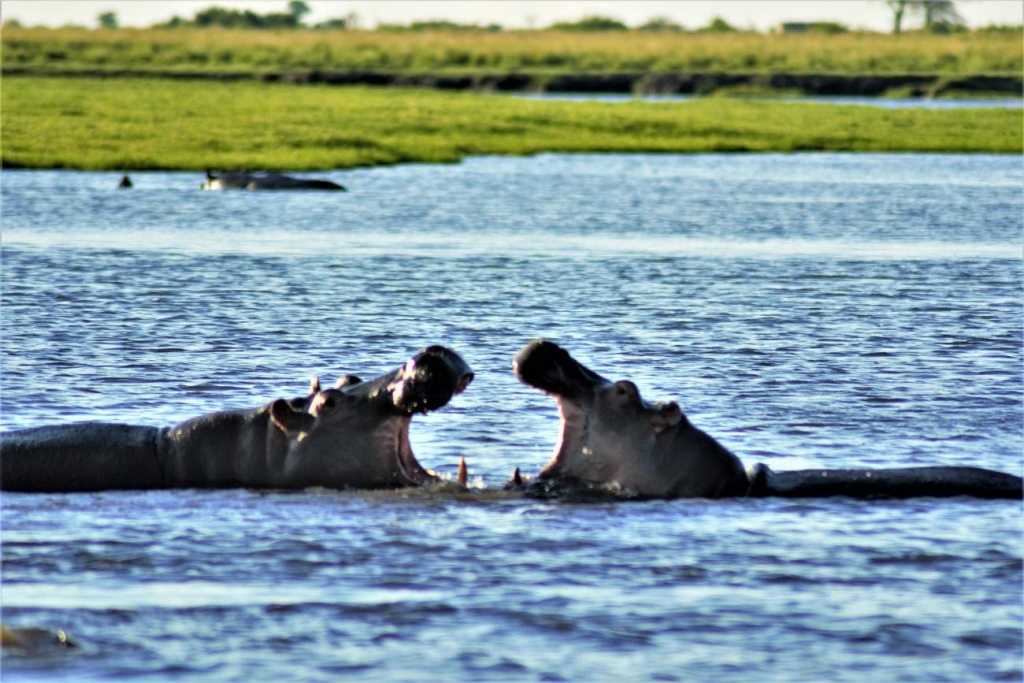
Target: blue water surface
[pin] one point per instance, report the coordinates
(807, 310)
(883, 102)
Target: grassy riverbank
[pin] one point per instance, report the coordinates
(187, 125)
(545, 51)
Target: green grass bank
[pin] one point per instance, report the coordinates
(140, 124)
(537, 52)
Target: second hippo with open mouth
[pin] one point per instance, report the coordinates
(614, 442)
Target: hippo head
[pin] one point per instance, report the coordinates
(356, 435)
(610, 435)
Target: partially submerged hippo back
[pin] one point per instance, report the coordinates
(266, 181)
(354, 436)
(88, 456)
(611, 436)
(33, 641)
(896, 482)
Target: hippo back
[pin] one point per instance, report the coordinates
(88, 456)
(896, 482)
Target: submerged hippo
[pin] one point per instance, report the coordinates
(30, 640)
(355, 435)
(613, 438)
(268, 181)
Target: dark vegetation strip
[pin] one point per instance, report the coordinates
(188, 125)
(640, 83)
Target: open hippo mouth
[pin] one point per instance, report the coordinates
(427, 382)
(547, 366)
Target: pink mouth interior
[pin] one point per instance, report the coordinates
(409, 467)
(571, 424)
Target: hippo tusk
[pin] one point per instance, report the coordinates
(463, 475)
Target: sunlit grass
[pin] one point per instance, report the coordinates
(160, 124)
(522, 51)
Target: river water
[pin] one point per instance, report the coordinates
(807, 310)
(883, 102)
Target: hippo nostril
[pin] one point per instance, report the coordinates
(464, 382)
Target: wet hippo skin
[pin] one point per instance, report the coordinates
(355, 435)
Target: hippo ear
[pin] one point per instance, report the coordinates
(668, 415)
(314, 385)
(347, 381)
(288, 419)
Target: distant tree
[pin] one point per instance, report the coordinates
(940, 12)
(660, 23)
(12, 23)
(593, 23)
(719, 25)
(298, 9)
(898, 7)
(336, 23)
(217, 16)
(231, 18)
(278, 20)
(107, 20)
(350, 20)
(939, 15)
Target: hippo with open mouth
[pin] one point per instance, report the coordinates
(614, 440)
(355, 435)
(241, 180)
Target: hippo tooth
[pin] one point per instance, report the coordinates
(463, 475)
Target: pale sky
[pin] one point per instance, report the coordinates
(759, 14)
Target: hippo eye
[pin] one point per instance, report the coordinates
(327, 402)
(626, 391)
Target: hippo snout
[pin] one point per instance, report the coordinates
(548, 367)
(430, 379)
